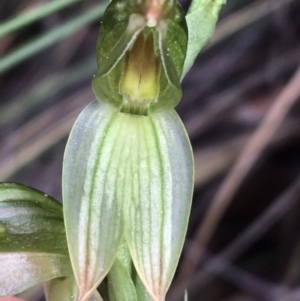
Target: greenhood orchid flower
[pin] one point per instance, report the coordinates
(128, 169)
(131, 173)
(141, 52)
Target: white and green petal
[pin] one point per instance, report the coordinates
(131, 173)
(158, 198)
(92, 215)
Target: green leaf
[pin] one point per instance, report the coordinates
(30, 221)
(33, 246)
(22, 270)
(201, 21)
(123, 22)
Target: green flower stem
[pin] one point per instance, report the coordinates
(141, 291)
(55, 35)
(33, 15)
(120, 284)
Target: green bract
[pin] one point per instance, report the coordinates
(201, 19)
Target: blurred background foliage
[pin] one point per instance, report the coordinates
(241, 109)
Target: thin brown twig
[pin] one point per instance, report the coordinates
(244, 17)
(34, 143)
(211, 162)
(251, 152)
(291, 277)
(220, 263)
(245, 281)
(227, 100)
